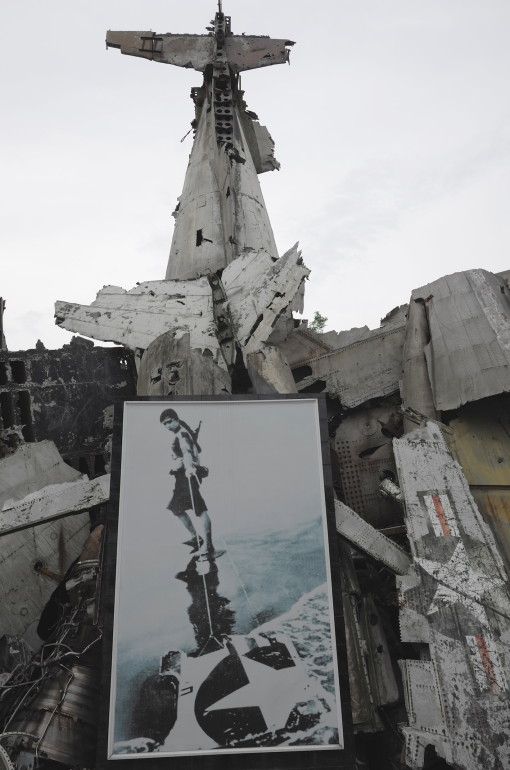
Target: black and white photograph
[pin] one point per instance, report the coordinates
(223, 636)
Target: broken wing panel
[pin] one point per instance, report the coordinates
(246, 52)
(191, 51)
(138, 317)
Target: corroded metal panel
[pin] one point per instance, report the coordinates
(468, 356)
(459, 590)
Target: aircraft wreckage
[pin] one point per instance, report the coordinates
(419, 428)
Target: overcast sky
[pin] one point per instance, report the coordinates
(391, 125)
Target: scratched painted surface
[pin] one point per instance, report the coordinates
(137, 317)
(468, 356)
(456, 599)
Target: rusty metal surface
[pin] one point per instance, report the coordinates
(457, 600)
(468, 356)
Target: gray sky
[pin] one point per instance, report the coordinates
(391, 125)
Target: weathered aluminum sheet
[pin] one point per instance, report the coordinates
(370, 367)
(221, 213)
(468, 356)
(195, 51)
(137, 317)
(244, 52)
(366, 537)
(260, 290)
(460, 589)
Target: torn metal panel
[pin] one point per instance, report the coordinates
(30, 468)
(468, 356)
(53, 546)
(363, 446)
(361, 534)
(137, 317)
(243, 52)
(169, 367)
(368, 368)
(259, 292)
(460, 590)
(53, 502)
(260, 143)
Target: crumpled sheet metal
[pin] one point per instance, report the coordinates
(260, 290)
(363, 535)
(54, 501)
(468, 356)
(137, 317)
(365, 369)
(456, 600)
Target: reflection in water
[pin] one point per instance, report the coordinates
(209, 612)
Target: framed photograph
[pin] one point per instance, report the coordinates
(223, 636)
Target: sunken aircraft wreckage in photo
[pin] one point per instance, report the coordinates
(419, 434)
